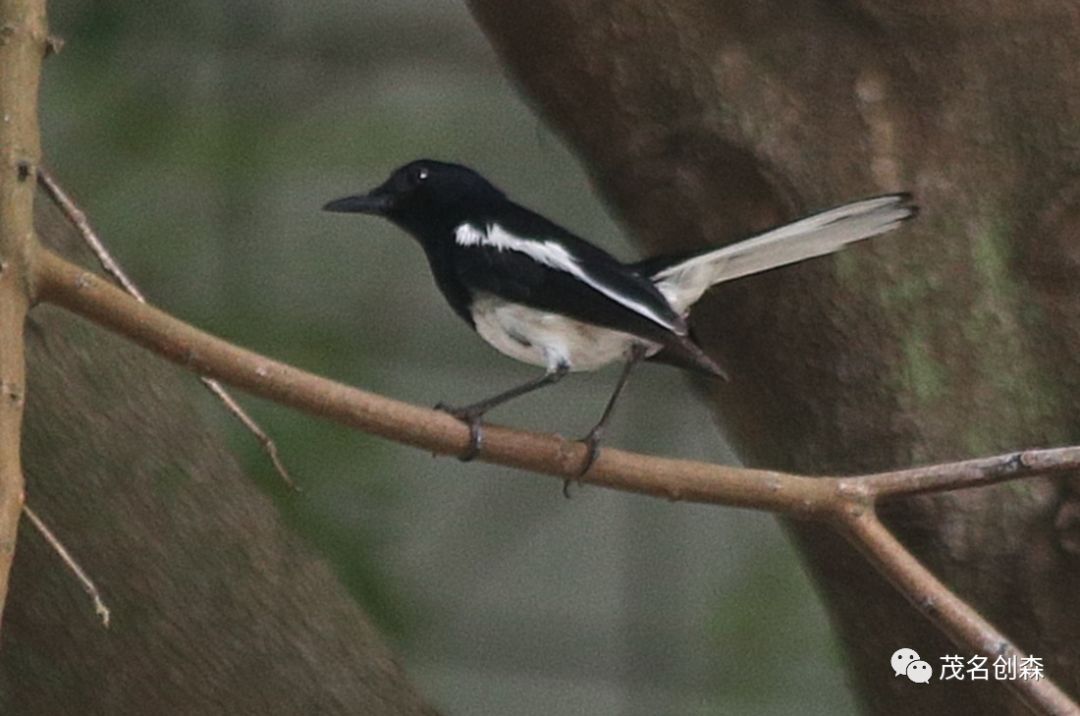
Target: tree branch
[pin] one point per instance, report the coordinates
(78, 219)
(978, 472)
(22, 47)
(87, 294)
(843, 502)
(65, 556)
(958, 619)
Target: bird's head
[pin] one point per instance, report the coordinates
(424, 197)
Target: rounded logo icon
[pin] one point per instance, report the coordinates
(919, 672)
(901, 659)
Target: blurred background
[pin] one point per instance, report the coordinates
(202, 138)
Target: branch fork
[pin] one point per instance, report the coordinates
(846, 503)
(29, 272)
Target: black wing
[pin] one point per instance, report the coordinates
(529, 260)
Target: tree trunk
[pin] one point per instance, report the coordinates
(217, 607)
(703, 121)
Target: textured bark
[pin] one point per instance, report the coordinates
(702, 121)
(22, 45)
(217, 607)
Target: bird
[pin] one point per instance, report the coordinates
(542, 295)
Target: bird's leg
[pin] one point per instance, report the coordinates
(471, 414)
(592, 439)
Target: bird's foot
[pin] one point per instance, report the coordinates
(473, 419)
(592, 451)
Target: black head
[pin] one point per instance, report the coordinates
(424, 196)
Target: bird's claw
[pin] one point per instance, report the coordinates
(476, 429)
(592, 451)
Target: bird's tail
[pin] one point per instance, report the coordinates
(683, 282)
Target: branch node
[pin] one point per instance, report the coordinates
(853, 490)
(928, 605)
(53, 45)
(11, 392)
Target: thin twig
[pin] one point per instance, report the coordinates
(84, 579)
(267, 443)
(78, 219)
(979, 472)
(845, 503)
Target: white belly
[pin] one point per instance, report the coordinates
(548, 339)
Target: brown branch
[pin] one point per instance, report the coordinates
(80, 574)
(958, 619)
(265, 441)
(13, 305)
(22, 47)
(846, 503)
(78, 219)
(979, 472)
(87, 294)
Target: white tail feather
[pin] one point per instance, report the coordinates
(683, 284)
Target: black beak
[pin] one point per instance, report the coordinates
(372, 203)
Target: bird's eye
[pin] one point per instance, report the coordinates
(422, 174)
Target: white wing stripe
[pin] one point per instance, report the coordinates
(553, 255)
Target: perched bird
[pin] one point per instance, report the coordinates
(540, 294)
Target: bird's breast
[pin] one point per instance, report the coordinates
(549, 339)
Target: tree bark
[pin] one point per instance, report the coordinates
(22, 43)
(702, 122)
(217, 607)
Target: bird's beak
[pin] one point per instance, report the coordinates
(374, 202)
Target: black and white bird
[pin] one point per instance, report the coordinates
(540, 294)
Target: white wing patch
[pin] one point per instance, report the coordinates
(553, 255)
